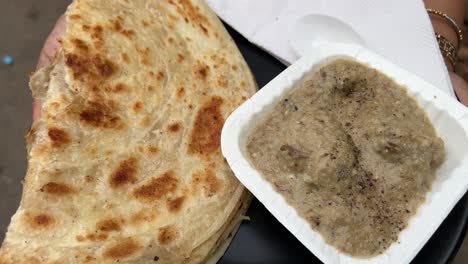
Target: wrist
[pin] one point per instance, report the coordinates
(445, 29)
(443, 26)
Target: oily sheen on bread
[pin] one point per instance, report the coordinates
(124, 162)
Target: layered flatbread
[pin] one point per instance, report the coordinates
(124, 161)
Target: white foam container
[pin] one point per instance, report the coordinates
(449, 117)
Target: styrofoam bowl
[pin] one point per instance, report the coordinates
(449, 117)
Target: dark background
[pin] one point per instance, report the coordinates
(24, 25)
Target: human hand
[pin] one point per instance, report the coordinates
(51, 46)
(460, 78)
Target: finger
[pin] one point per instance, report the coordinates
(36, 109)
(51, 46)
(460, 87)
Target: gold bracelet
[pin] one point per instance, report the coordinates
(450, 20)
(448, 49)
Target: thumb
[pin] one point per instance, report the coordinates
(51, 46)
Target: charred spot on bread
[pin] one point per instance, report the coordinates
(192, 14)
(174, 205)
(109, 225)
(142, 216)
(138, 106)
(39, 220)
(90, 68)
(180, 92)
(125, 57)
(153, 149)
(174, 127)
(206, 133)
(160, 76)
(202, 71)
(56, 189)
(58, 136)
(80, 44)
(125, 173)
(101, 115)
(120, 87)
(156, 188)
(122, 249)
(167, 235)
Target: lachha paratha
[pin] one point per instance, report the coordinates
(124, 161)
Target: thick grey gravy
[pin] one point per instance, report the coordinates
(352, 152)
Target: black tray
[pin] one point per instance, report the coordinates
(263, 240)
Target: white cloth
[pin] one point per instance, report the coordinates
(399, 30)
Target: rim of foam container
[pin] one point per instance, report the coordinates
(448, 116)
